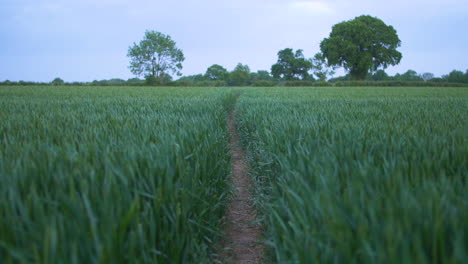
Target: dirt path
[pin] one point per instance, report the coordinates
(243, 232)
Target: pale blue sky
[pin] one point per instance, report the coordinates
(87, 40)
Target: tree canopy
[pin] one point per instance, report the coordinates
(362, 44)
(155, 56)
(380, 75)
(427, 76)
(408, 76)
(239, 76)
(457, 76)
(291, 65)
(320, 67)
(216, 72)
(57, 81)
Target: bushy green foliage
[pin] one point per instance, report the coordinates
(155, 56)
(433, 83)
(408, 76)
(216, 73)
(321, 68)
(111, 174)
(239, 76)
(299, 83)
(262, 83)
(261, 75)
(457, 77)
(360, 175)
(291, 65)
(379, 75)
(362, 44)
(57, 81)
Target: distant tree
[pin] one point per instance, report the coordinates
(410, 76)
(261, 76)
(216, 72)
(135, 81)
(380, 75)
(155, 57)
(360, 45)
(291, 65)
(192, 78)
(455, 76)
(116, 81)
(239, 76)
(427, 76)
(438, 80)
(320, 68)
(57, 81)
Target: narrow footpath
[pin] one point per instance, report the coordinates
(243, 232)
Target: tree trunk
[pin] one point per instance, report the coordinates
(358, 74)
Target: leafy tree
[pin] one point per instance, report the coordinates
(216, 72)
(362, 44)
(320, 67)
(264, 76)
(438, 80)
(239, 76)
(192, 78)
(455, 76)
(134, 81)
(408, 76)
(57, 81)
(291, 65)
(261, 76)
(116, 81)
(155, 57)
(427, 76)
(380, 75)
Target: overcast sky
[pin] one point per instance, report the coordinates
(89, 39)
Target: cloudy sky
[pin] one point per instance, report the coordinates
(88, 39)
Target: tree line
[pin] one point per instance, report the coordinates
(218, 76)
(364, 47)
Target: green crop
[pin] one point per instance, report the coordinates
(360, 175)
(111, 175)
(140, 174)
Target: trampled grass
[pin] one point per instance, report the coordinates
(360, 175)
(111, 175)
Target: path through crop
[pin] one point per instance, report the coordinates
(243, 232)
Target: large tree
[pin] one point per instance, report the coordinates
(456, 76)
(291, 65)
(155, 56)
(362, 44)
(216, 72)
(239, 76)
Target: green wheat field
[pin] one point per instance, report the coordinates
(141, 174)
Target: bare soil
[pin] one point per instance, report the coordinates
(243, 231)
